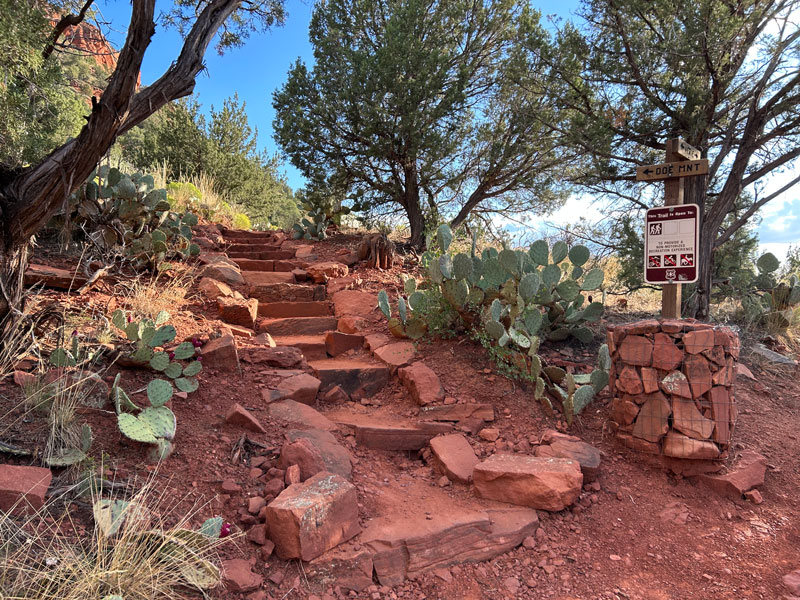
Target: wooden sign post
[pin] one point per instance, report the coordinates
(681, 160)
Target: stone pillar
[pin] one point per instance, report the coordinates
(672, 387)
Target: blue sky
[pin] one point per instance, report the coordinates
(257, 69)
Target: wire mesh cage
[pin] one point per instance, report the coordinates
(672, 383)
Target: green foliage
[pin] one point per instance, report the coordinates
(385, 118)
(42, 101)
(225, 148)
(510, 301)
(313, 226)
(770, 303)
(241, 221)
(125, 214)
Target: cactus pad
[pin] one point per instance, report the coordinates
(192, 369)
(184, 350)
(160, 420)
(539, 252)
(383, 304)
(462, 266)
(559, 251)
(160, 361)
(135, 429)
(159, 392)
(578, 255)
(593, 280)
(163, 335)
(187, 384)
(444, 236)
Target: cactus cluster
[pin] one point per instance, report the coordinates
(769, 302)
(156, 423)
(72, 356)
(127, 214)
(313, 226)
(515, 298)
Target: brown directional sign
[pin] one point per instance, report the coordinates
(686, 151)
(686, 168)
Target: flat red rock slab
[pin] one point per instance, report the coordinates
(298, 325)
(454, 456)
(457, 412)
(256, 278)
(395, 355)
(367, 378)
(300, 414)
(279, 310)
(407, 547)
(22, 489)
(286, 292)
(52, 277)
(399, 436)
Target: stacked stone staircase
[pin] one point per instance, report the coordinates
(401, 540)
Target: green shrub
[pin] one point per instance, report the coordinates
(768, 303)
(241, 221)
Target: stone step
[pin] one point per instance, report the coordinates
(242, 234)
(253, 248)
(263, 239)
(298, 325)
(276, 310)
(286, 292)
(257, 278)
(361, 376)
(409, 546)
(52, 277)
(283, 266)
(387, 431)
(312, 346)
(262, 255)
(248, 264)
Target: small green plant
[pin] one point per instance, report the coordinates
(126, 214)
(510, 300)
(155, 424)
(181, 364)
(769, 303)
(313, 226)
(138, 548)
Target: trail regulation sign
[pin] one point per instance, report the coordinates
(670, 244)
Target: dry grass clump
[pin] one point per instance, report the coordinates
(130, 552)
(167, 289)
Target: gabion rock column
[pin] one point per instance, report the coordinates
(672, 384)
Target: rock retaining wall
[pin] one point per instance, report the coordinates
(672, 386)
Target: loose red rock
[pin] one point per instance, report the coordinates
(310, 518)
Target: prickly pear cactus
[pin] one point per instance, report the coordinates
(514, 299)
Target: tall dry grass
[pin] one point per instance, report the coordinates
(139, 548)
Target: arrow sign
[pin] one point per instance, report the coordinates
(687, 168)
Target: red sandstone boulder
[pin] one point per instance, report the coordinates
(238, 312)
(636, 350)
(238, 577)
(220, 353)
(309, 518)
(422, 383)
(315, 451)
(322, 271)
(300, 388)
(454, 457)
(238, 415)
(542, 483)
(22, 489)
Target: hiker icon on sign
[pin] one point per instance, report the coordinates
(687, 260)
(655, 229)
